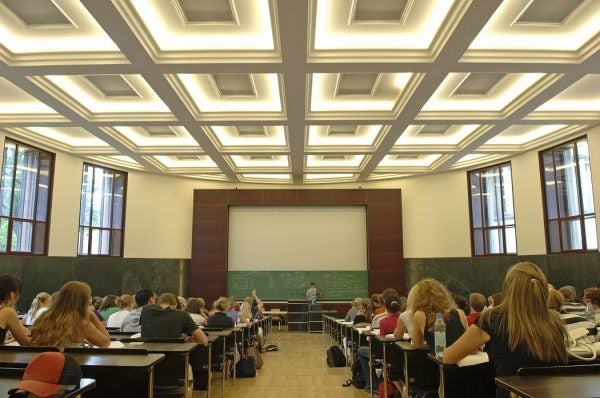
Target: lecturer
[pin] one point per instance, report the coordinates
(312, 293)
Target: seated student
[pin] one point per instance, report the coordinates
(353, 310)
(246, 310)
(521, 331)
(125, 303)
(194, 308)
(427, 298)
(571, 321)
(131, 322)
(233, 313)
(10, 290)
(477, 303)
(220, 318)
(461, 302)
(571, 305)
(377, 306)
(405, 321)
(39, 305)
(363, 315)
(70, 320)
(108, 306)
(494, 300)
(164, 320)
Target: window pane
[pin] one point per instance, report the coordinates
(25, 183)
(39, 243)
(571, 234)
(8, 168)
(507, 198)
(100, 242)
(566, 180)
(554, 236)
(585, 177)
(86, 195)
(491, 197)
(591, 238)
(41, 213)
(493, 241)
(511, 240)
(102, 198)
(83, 241)
(550, 185)
(478, 242)
(3, 234)
(116, 243)
(118, 201)
(22, 234)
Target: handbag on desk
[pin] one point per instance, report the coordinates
(580, 345)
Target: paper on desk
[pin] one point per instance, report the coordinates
(116, 344)
(474, 359)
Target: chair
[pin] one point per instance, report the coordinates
(276, 317)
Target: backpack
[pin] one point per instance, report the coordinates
(335, 357)
(358, 379)
(246, 367)
(254, 353)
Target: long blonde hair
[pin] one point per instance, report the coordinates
(430, 296)
(524, 315)
(62, 324)
(41, 300)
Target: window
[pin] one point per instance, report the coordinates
(102, 212)
(25, 199)
(568, 199)
(492, 211)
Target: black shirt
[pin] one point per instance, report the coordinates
(158, 322)
(221, 320)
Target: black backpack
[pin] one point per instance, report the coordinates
(358, 379)
(335, 357)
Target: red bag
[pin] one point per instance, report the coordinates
(390, 389)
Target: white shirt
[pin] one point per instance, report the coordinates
(116, 319)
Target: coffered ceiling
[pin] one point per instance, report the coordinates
(298, 91)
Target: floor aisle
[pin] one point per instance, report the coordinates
(297, 370)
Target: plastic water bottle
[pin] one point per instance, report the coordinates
(439, 335)
(589, 313)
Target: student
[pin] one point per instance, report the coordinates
(70, 321)
(494, 300)
(363, 315)
(233, 313)
(477, 303)
(125, 303)
(10, 289)
(220, 318)
(312, 293)
(164, 320)
(142, 297)
(108, 306)
(571, 305)
(39, 305)
(521, 331)
(353, 310)
(194, 308)
(570, 320)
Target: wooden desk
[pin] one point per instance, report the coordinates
(85, 385)
(552, 386)
(116, 375)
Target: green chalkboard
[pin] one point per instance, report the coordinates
(285, 285)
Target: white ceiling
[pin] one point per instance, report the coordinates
(298, 91)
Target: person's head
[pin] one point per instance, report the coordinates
(62, 323)
(555, 300)
(461, 302)
(311, 284)
(222, 304)
(477, 301)
(593, 296)
(525, 316)
(144, 297)
(392, 304)
(96, 301)
(430, 296)
(108, 301)
(167, 300)
(387, 292)
(376, 300)
(10, 289)
(181, 302)
(232, 303)
(569, 293)
(356, 302)
(125, 301)
(249, 300)
(193, 306)
(41, 300)
(495, 300)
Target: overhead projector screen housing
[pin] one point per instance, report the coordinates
(319, 238)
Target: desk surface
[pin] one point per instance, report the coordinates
(552, 386)
(163, 348)
(6, 383)
(21, 359)
(218, 333)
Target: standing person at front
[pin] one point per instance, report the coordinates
(521, 331)
(164, 320)
(312, 293)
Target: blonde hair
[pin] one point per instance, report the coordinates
(42, 299)
(168, 298)
(525, 317)
(555, 300)
(63, 323)
(430, 296)
(125, 301)
(222, 304)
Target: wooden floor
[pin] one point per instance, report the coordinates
(297, 370)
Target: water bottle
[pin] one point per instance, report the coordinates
(439, 335)
(589, 313)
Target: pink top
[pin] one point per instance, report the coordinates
(388, 324)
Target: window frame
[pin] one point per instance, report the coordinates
(580, 216)
(33, 221)
(110, 230)
(501, 227)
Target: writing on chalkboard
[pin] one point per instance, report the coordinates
(285, 285)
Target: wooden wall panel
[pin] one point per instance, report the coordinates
(208, 274)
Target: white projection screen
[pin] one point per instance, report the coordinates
(307, 238)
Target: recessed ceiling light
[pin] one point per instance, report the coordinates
(234, 84)
(356, 84)
(112, 85)
(341, 130)
(207, 11)
(549, 11)
(247, 131)
(379, 10)
(35, 13)
(260, 157)
(333, 157)
(406, 157)
(187, 157)
(159, 131)
(478, 83)
(433, 129)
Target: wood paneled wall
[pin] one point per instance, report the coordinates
(208, 273)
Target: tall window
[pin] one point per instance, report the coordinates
(102, 212)
(492, 211)
(570, 217)
(25, 199)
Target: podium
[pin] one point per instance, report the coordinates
(297, 315)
